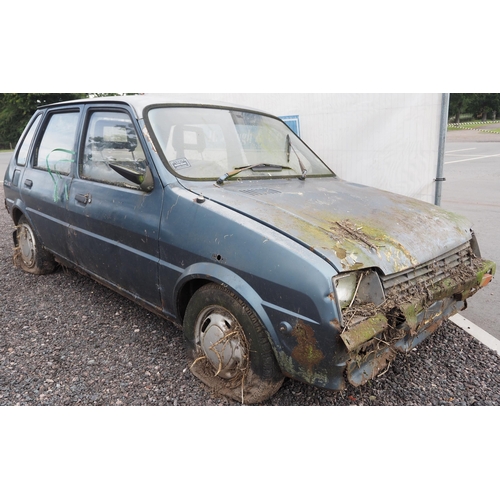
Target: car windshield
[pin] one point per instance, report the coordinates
(202, 143)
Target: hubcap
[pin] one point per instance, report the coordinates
(219, 336)
(27, 245)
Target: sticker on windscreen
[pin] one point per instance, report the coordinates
(180, 164)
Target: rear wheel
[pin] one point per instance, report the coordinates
(29, 254)
(228, 346)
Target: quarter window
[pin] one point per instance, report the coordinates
(56, 150)
(111, 139)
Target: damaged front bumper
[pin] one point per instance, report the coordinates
(402, 322)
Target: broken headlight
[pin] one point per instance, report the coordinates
(364, 287)
(345, 284)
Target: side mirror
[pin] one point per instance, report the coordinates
(136, 172)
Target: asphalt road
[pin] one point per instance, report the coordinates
(4, 160)
(472, 172)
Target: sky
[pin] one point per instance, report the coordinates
(263, 47)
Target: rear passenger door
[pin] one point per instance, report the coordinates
(45, 182)
(114, 224)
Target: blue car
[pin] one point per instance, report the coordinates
(221, 220)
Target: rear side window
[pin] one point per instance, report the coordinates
(22, 155)
(55, 152)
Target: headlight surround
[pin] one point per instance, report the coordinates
(362, 285)
(346, 284)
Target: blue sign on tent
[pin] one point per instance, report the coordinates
(293, 122)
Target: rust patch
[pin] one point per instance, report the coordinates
(434, 326)
(340, 252)
(336, 324)
(306, 353)
(359, 373)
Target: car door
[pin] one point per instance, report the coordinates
(114, 223)
(45, 182)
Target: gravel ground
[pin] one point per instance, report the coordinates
(68, 341)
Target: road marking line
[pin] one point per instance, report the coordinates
(471, 159)
(462, 155)
(476, 332)
(458, 150)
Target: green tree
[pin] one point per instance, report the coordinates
(459, 104)
(485, 104)
(16, 110)
(107, 95)
(480, 105)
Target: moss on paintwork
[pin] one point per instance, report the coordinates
(365, 331)
(384, 244)
(410, 312)
(362, 238)
(293, 370)
(489, 267)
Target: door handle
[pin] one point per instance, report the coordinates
(84, 199)
(28, 183)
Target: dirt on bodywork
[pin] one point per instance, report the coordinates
(247, 387)
(370, 332)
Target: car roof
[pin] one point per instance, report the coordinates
(140, 102)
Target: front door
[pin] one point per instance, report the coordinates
(114, 223)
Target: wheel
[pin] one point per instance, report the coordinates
(228, 346)
(29, 253)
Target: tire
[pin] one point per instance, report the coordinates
(228, 346)
(29, 254)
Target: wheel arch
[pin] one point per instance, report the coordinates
(30, 254)
(205, 273)
(16, 214)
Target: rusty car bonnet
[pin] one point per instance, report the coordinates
(350, 225)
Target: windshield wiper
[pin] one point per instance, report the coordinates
(289, 147)
(259, 167)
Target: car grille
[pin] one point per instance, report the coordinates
(429, 273)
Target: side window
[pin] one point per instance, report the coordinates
(111, 139)
(56, 149)
(22, 154)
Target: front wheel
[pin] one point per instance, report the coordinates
(228, 346)
(29, 254)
